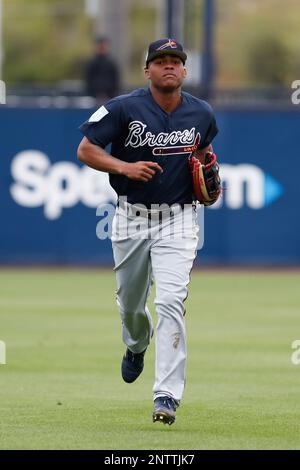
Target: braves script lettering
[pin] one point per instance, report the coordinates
(138, 136)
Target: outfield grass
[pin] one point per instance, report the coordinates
(61, 387)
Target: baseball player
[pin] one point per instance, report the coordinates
(153, 132)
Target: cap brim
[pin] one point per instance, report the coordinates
(154, 55)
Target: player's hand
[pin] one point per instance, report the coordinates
(141, 171)
(200, 154)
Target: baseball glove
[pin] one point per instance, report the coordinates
(206, 179)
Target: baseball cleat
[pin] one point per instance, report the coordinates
(132, 365)
(164, 410)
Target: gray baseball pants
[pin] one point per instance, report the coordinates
(158, 248)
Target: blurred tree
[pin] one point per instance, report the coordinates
(44, 40)
(142, 23)
(245, 30)
(268, 60)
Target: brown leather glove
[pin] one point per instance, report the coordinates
(206, 179)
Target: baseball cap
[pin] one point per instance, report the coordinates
(165, 46)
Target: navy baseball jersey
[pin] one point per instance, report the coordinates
(140, 130)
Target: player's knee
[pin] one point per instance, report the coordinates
(137, 323)
(129, 308)
(170, 303)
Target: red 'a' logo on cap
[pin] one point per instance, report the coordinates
(171, 43)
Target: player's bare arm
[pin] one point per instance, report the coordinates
(98, 159)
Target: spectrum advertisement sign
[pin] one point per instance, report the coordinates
(48, 200)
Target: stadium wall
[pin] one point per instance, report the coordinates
(48, 200)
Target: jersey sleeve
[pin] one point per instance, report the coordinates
(106, 125)
(210, 134)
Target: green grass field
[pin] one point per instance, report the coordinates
(61, 387)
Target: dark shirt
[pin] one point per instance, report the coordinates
(102, 77)
(139, 129)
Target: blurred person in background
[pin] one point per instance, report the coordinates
(101, 72)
